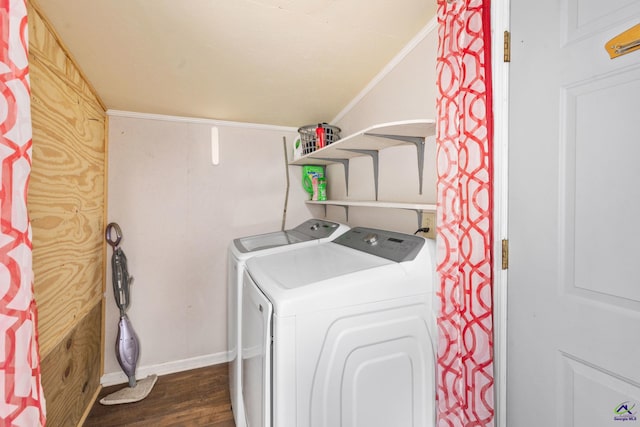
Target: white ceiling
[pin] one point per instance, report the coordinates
(281, 62)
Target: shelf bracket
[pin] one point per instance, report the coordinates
(419, 212)
(374, 158)
(418, 141)
(345, 164)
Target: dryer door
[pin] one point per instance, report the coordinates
(256, 354)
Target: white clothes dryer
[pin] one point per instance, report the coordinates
(310, 232)
(341, 334)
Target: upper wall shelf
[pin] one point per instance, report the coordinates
(369, 142)
(375, 137)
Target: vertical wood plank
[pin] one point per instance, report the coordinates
(66, 199)
(66, 202)
(70, 374)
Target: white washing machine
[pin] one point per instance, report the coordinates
(341, 334)
(310, 232)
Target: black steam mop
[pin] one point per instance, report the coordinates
(127, 344)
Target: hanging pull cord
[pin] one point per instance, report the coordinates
(120, 274)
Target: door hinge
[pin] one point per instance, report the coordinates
(505, 254)
(507, 46)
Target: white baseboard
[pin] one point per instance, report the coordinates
(114, 378)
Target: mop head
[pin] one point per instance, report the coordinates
(131, 394)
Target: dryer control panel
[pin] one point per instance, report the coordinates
(394, 246)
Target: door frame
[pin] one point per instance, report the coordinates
(500, 16)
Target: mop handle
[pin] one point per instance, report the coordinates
(107, 235)
(120, 273)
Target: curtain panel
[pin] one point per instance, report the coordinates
(22, 401)
(465, 383)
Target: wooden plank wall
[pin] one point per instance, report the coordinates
(66, 202)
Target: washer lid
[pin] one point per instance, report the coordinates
(269, 240)
(311, 229)
(369, 266)
(329, 275)
(309, 265)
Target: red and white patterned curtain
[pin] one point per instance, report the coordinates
(22, 400)
(464, 136)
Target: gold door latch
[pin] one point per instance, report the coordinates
(507, 46)
(505, 254)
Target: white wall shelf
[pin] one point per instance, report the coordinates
(419, 208)
(426, 207)
(369, 142)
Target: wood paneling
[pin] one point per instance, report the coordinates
(69, 373)
(46, 46)
(66, 190)
(66, 202)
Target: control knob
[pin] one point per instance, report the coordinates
(371, 239)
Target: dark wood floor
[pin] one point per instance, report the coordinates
(199, 397)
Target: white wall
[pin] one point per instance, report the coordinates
(404, 90)
(178, 214)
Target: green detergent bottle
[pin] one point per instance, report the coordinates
(322, 189)
(308, 173)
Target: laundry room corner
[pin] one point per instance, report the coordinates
(178, 212)
(403, 90)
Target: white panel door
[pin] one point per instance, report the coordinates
(574, 208)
